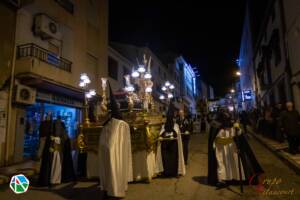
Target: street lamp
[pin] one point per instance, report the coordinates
(161, 97)
(232, 91)
(238, 73)
(168, 89)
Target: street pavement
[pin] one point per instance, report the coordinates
(192, 186)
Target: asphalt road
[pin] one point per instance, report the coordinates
(190, 187)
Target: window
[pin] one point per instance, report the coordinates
(112, 68)
(54, 48)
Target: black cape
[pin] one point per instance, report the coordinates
(250, 164)
(68, 173)
(212, 178)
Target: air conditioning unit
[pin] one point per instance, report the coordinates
(46, 28)
(25, 94)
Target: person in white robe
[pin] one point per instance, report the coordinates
(115, 159)
(230, 157)
(115, 156)
(227, 155)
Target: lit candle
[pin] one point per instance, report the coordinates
(149, 65)
(127, 79)
(104, 83)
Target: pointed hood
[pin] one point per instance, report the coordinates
(115, 110)
(169, 125)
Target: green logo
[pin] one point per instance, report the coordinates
(19, 184)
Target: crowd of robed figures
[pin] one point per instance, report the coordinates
(230, 157)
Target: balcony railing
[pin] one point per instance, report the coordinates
(33, 50)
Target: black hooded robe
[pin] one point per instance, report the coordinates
(169, 153)
(185, 125)
(212, 178)
(68, 173)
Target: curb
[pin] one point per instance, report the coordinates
(28, 172)
(279, 153)
(4, 179)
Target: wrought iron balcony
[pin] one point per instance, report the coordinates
(33, 50)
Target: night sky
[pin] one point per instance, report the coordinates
(207, 32)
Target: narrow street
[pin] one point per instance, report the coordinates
(190, 187)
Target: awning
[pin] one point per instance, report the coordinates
(44, 84)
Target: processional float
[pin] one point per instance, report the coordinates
(144, 120)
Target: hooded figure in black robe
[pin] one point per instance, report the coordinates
(169, 146)
(249, 164)
(186, 128)
(66, 171)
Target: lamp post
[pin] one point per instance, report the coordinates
(232, 91)
(167, 88)
(84, 82)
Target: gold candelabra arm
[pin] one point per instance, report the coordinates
(103, 107)
(86, 120)
(81, 144)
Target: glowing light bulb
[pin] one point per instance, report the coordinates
(141, 69)
(135, 74)
(129, 88)
(82, 84)
(148, 76)
(88, 95)
(170, 96)
(148, 89)
(172, 87)
(83, 76)
(167, 84)
(163, 88)
(161, 97)
(92, 92)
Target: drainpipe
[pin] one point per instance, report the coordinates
(10, 96)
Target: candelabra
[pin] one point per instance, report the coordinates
(168, 89)
(84, 82)
(141, 77)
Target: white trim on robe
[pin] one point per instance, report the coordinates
(56, 168)
(159, 162)
(227, 157)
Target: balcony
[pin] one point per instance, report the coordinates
(33, 50)
(35, 61)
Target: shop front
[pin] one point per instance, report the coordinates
(48, 105)
(37, 113)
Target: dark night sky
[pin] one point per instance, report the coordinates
(207, 32)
